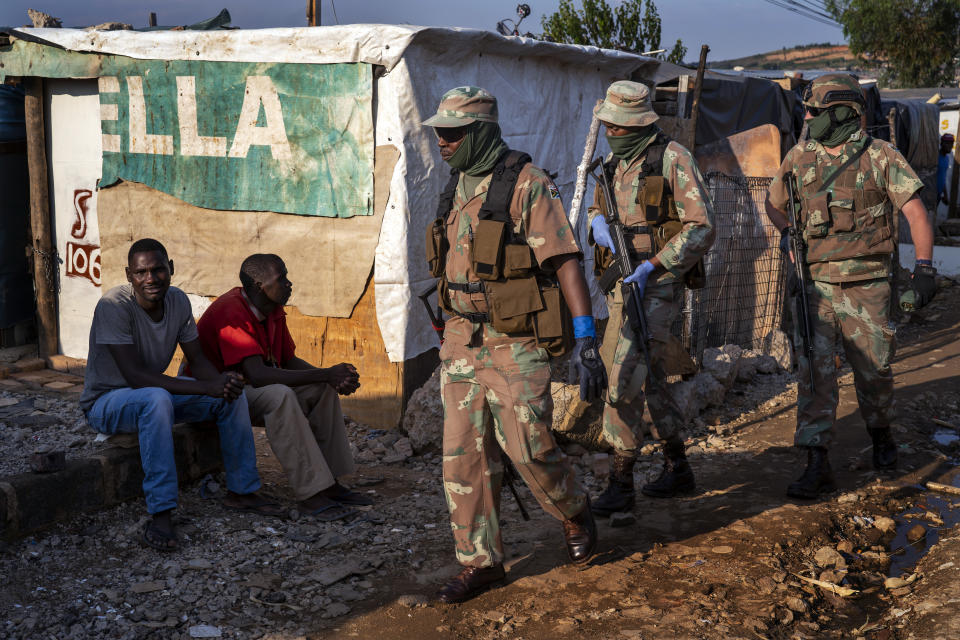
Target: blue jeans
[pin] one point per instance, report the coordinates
(151, 412)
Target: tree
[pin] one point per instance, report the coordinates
(917, 42)
(634, 26)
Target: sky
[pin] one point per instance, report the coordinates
(732, 28)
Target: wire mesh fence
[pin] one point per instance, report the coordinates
(742, 300)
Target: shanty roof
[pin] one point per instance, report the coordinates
(380, 44)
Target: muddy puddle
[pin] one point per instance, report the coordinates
(932, 512)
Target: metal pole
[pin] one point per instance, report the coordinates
(45, 265)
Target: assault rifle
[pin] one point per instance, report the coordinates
(799, 257)
(622, 266)
(510, 475)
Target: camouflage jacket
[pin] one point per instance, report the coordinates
(881, 168)
(538, 216)
(693, 207)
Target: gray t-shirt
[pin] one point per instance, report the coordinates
(118, 319)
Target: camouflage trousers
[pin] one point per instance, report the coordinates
(627, 369)
(497, 396)
(856, 315)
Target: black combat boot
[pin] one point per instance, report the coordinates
(817, 478)
(884, 449)
(676, 477)
(619, 495)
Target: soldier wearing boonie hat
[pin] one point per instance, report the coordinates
(462, 106)
(646, 169)
(627, 104)
(502, 249)
(847, 189)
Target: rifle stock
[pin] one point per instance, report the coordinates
(799, 257)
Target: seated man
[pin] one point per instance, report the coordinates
(245, 330)
(135, 331)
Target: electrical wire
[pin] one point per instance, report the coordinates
(334, 7)
(812, 16)
(807, 7)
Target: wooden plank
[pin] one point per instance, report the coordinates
(324, 342)
(45, 268)
(754, 152)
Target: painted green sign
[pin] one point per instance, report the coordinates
(291, 138)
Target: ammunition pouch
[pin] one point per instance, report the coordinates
(852, 221)
(437, 246)
(521, 301)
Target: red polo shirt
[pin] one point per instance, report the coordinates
(230, 331)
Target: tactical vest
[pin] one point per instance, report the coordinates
(661, 222)
(521, 299)
(850, 222)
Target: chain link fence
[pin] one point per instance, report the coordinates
(743, 297)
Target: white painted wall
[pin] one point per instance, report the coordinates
(74, 156)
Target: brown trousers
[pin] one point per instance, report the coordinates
(306, 431)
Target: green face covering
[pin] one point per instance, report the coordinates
(629, 146)
(832, 131)
(480, 149)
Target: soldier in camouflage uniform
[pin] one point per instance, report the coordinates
(848, 188)
(650, 171)
(496, 385)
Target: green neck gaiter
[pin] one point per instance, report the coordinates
(629, 146)
(834, 125)
(479, 150)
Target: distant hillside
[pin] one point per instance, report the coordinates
(810, 56)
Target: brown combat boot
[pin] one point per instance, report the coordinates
(619, 494)
(580, 534)
(469, 582)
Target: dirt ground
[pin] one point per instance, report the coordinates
(732, 561)
(729, 561)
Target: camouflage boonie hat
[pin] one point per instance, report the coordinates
(627, 104)
(834, 89)
(464, 105)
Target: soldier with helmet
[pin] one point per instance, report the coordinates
(668, 218)
(848, 188)
(510, 279)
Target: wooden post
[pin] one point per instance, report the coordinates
(152, 20)
(695, 109)
(892, 123)
(953, 211)
(313, 13)
(45, 264)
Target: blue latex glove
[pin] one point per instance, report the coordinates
(601, 233)
(640, 275)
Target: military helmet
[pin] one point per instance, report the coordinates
(834, 89)
(462, 106)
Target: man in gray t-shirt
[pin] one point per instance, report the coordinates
(135, 332)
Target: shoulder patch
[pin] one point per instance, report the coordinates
(554, 191)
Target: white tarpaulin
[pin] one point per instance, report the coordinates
(545, 90)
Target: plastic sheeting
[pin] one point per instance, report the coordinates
(546, 93)
(730, 104)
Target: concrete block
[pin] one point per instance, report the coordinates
(45, 498)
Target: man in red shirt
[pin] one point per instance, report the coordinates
(245, 330)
